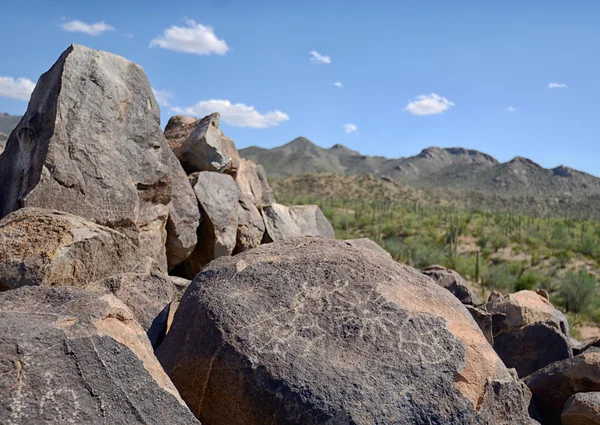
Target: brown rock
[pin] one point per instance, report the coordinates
(251, 227)
(366, 243)
(582, 409)
(252, 181)
(200, 145)
(484, 320)
(70, 356)
(284, 223)
(316, 331)
(453, 282)
(91, 144)
(529, 333)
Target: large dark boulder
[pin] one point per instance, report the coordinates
(69, 356)
(453, 282)
(52, 248)
(553, 385)
(91, 144)
(529, 333)
(582, 409)
(316, 331)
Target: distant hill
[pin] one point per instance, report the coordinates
(8, 122)
(442, 168)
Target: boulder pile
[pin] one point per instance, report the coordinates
(152, 278)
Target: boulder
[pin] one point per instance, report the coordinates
(529, 333)
(184, 217)
(91, 144)
(70, 356)
(484, 320)
(148, 296)
(587, 345)
(252, 181)
(582, 409)
(453, 282)
(218, 198)
(553, 385)
(180, 285)
(316, 331)
(200, 145)
(366, 243)
(283, 222)
(3, 139)
(251, 227)
(52, 248)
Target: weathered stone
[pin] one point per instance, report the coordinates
(316, 331)
(453, 282)
(148, 296)
(582, 409)
(366, 243)
(218, 198)
(529, 333)
(251, 227)
(91, 144)
(584, 346)
(484, 320)
(200, 145)
(184, 217)
(283, 222)
(48, 248)
(180, 284)
(553, 385)
(252, 181)
(70, 356)
(3, 139)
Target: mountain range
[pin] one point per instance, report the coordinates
(443, 168)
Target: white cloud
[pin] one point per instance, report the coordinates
(163, 96)
(192, 38)
(319, 58)
(21, 88)
(350, 128)
(128, 35)
(338, 84)
(557, 86)
(428, 105)
(237, 115)
(91, 29)
(511, 109)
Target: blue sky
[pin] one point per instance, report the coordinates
(251, 59)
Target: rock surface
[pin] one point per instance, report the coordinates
(553, 385)
(48, 248)
(366, 243)
(582, 409)
(283, 222)
(251, 227)
(315, 331)
(453, 282)
(148, 296)
(180, 285)
(218, 199)
(91, 144)
(3, 139)
(200, 145)
(252, 181)
(529, 333)
(70, 356)
(484, 320)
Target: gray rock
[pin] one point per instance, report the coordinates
(529, 333)
(553, 385)
(3, 139)
(70, 356)
(484, 320)
(51, 248)
(218, 199)
(581, 347)
(148, 296)
(453, 282)
(91, 144)
(284, 223)
(316, 331)
(184, 217)
(252, 181)
(200, 145)
(366, 243)
(251, 227)
(180, 284)
(582, 409)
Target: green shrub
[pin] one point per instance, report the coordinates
(528, 280)
(577, 291)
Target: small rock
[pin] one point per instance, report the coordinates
(251, 227)
(453, 282)
(252, 181)
(284, 223)
(484, 320)
(582, 409)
